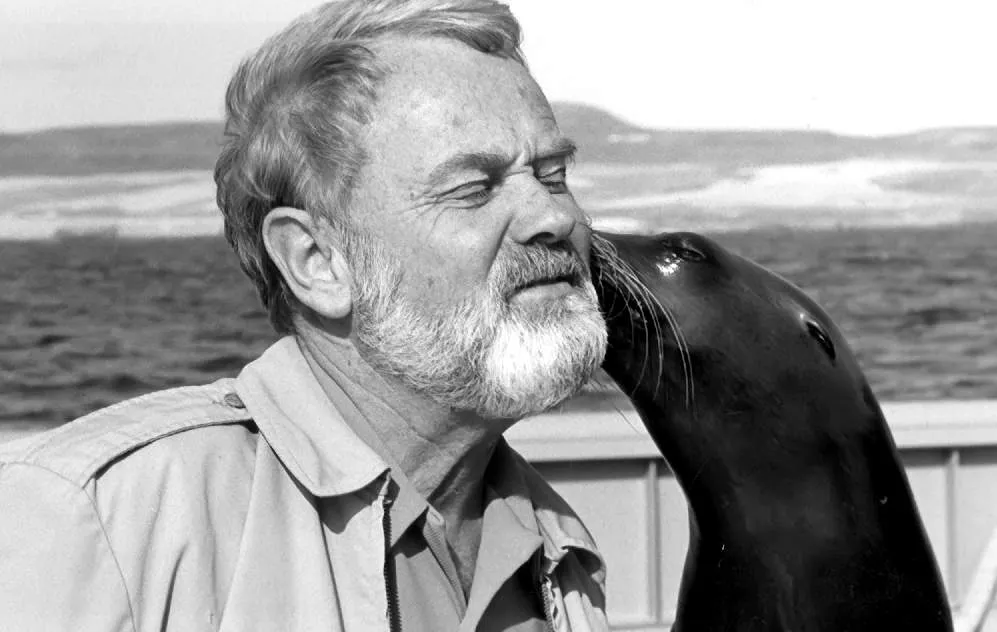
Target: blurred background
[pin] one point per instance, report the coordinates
(850, 146)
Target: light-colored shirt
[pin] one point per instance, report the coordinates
(505, 593)
(242, 505)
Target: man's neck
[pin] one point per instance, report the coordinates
(443, 452)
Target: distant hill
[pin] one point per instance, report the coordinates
(602, 137)
(117, 149)
(591, 125)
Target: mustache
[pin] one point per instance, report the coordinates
(533, 265)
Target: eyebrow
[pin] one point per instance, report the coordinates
(492, 163)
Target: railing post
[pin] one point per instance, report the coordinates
(653, 541)
(952, 523)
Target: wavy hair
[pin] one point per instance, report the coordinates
(295, 109)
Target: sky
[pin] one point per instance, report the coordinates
(849, 66)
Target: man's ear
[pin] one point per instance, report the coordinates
(313, 268)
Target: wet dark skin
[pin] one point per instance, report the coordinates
(802, 518)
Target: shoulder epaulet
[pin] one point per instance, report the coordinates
(80, 448)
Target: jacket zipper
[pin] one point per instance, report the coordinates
(390, 581)
(548, 617)
(545, 593)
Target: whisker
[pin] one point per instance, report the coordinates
(637, 297)
(686, 359)
(622, 279)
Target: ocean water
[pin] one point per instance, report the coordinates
(88, 321)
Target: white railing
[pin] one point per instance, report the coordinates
(608, 469)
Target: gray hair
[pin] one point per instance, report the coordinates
(295, 109)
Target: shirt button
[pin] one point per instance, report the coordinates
(233, 401)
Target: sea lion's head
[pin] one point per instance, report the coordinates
(719, 354)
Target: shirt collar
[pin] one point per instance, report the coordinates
(328, 458)
(560, 527)
(302, 426)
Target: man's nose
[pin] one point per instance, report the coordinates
(545, 218)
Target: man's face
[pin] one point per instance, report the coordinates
(472, 285)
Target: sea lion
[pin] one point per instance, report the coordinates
(801, 515)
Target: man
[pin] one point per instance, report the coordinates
(394, 183)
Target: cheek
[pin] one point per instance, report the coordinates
(443, 269)
(446, 254)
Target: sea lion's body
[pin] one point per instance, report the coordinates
(801, 514)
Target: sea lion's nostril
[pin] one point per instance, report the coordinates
(821, 336)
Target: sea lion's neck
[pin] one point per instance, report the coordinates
(814, 500)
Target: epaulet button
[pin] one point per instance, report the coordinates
(232, 400)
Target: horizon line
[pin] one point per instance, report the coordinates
(632, 127)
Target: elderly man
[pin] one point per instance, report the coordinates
(393, 182)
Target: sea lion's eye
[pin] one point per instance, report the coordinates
(821, 337)
(689, 254)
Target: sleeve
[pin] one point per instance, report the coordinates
(57, 570)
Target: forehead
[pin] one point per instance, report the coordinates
(442, 97)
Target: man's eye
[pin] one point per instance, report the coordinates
(556, 181)
(476, 193)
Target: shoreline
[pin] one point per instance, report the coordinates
(113, 234)
(707, 196)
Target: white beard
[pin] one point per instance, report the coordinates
(483, 355)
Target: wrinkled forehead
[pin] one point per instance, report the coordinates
(442, 97)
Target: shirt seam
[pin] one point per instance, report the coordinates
(79, 473)
(103, 530)
(53, 436)
(90, 468)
